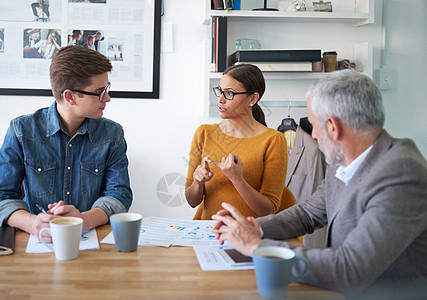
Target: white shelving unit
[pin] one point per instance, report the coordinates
(244, 15)
(362, 52)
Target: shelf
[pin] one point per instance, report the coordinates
(358, 13)
(266, 105)
(363, 56)
(279, 16)
(281, 75)
(363, 14)
(287, 103)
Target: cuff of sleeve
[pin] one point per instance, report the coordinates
(7, 207)
(110, 205)
(262, 233)
(268, 242)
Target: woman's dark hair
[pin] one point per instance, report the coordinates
(251, 78)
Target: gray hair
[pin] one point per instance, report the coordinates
(350, 96)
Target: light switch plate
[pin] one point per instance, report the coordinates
(384, 79)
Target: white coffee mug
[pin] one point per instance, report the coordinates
(66, 233)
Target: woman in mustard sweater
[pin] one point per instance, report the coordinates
(240, 160)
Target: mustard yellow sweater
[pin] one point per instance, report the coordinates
(264, 167)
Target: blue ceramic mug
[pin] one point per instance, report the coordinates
(273, 270)
(126, 228)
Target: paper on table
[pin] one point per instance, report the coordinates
(172, 232)
(210, 259)
(200, 234)
(158, 231)
(89, 240)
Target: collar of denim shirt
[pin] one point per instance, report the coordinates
(54, 123)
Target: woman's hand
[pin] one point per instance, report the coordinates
(203, 173)
(231, 166)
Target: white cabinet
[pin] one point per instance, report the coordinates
(289, 30)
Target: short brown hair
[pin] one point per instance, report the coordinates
(73, 66)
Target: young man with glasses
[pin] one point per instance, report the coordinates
(69, 160)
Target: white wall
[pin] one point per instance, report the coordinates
(406, 50)
(159, 132)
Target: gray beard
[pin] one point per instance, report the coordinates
(334, 154)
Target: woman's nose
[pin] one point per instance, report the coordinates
(221, 99)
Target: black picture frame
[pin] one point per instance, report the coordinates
(153, 93)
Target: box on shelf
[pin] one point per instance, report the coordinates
(274, 56)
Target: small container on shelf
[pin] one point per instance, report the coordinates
(247, 44)
(330, 61)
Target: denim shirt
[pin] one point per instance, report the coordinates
(87, 170)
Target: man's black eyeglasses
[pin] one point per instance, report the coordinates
(229, 95)
(101, 95)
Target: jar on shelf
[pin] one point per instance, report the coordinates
(247, 44)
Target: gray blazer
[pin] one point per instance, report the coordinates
(377, 225)
(306, 170)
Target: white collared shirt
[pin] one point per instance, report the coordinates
(346, 173)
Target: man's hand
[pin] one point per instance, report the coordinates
(56, 210)
(243, 233)
(61, 210)
(42, 221)
(91, 218)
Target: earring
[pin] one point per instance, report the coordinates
(251, 104)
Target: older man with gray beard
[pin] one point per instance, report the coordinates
(373, 199)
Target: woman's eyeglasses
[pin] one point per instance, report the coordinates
(229, 95)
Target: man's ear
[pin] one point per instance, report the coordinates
(68, 96)
(334, 128)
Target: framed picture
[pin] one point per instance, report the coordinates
(125, 31)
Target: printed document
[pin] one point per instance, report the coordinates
(210, 259)
(172, 232)
(158, 231)
(89, 240)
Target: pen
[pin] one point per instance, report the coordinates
(41, 209)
